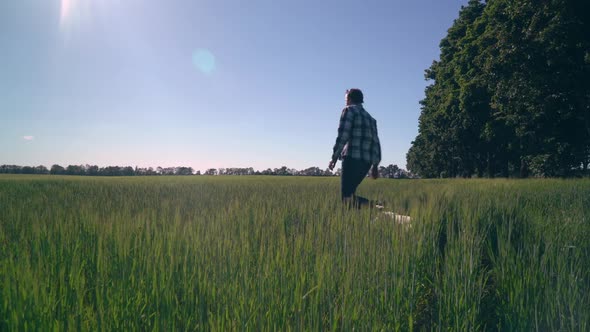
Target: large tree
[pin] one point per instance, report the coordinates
(445, 135)
(510, 93)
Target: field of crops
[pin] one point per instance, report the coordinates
(279, 253)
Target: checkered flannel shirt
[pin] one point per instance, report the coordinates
(357, 136)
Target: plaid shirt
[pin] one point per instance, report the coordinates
(357, 136)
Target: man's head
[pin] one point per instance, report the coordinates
(354, 96)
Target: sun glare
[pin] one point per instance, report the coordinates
(66, 9)
(74, 13)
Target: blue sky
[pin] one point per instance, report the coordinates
(209, 83)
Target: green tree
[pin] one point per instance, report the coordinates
(445, 137)
(57, 170)
(510, 93)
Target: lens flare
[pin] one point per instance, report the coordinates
(204, 60)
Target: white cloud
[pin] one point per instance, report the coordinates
(28, 138)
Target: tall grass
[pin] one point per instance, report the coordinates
(275, 253)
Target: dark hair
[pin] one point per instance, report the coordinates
(355, 95)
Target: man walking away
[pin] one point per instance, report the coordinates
(358, 146)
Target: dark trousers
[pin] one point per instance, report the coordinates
(353, 173)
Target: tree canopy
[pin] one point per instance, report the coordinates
(510, 94)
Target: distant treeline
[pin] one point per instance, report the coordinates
(391, 171)
(510, 94)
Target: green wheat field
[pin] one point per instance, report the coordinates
(280, 253)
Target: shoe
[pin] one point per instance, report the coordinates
(379, 205)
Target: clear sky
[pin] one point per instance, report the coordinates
(209, 83)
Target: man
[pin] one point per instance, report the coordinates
(357, 146)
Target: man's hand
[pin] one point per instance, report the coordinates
(332, 164)
(375, 172)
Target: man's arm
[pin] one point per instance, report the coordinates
(344, 129)
(375, 167)
(378, 143)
